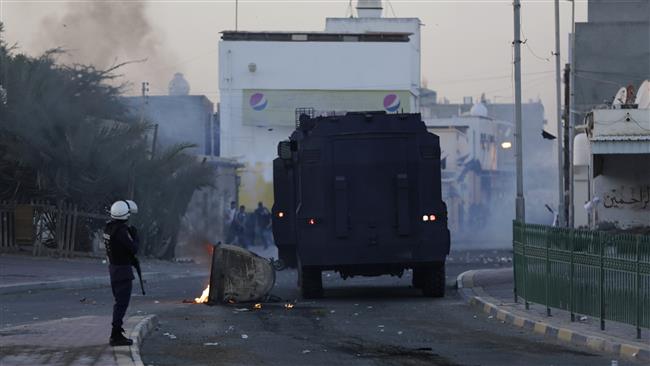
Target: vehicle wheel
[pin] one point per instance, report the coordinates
(416, 281)
(433, 280)
(288, 256)
(310, 281)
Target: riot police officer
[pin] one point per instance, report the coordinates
(121, 243)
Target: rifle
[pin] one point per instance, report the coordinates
(134, 260)
(136, 264)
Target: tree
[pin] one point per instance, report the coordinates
(66, 136)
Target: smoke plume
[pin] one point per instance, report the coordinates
(105, 34)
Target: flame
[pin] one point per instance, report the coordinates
(257, 306)
(288, 306)
(204, 296)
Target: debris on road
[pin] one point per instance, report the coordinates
(169, 335)
(289, 306)
(244, 336)
(211, 343)
(239, 275)
(305, 351)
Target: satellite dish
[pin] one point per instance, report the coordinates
(643, 95)
(620, 97)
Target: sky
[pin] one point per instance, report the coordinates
(466, 45)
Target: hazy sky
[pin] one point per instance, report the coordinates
(466, 45)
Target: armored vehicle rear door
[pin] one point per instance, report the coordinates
(371, 177)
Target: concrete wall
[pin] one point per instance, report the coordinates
(180, 119)
(203, 223)
(618, 11)
(624, 189)
(370, 25)
(612, 50)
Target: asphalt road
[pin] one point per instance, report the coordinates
(361, 321)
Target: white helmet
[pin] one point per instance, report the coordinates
(120, 210)
(133, 207)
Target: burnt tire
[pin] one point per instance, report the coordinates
(433, 280)
(310, 281)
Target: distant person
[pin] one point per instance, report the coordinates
(263, 225)
(121, 242)
(249, 231)
(238, 226)
(228, 218)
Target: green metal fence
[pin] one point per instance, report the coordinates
(585, 272)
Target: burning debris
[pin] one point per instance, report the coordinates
(204, 296)
(238, 275)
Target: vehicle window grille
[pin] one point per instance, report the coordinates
(308, 111)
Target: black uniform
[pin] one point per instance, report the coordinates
(121, 246)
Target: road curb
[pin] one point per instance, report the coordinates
(88, 282)
(130, 356)
(474, 296)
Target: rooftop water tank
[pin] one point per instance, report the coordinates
(178, 85)
(581, 150)
(369, 8)
(478, 110)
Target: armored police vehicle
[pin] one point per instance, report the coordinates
(360, 194)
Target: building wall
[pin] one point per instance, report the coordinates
(330, 76)
(180, 119)
(203, 224)
(368, 25)
(618, 11)
(612, 50)
(624, 189)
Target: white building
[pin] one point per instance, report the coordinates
(612, 169)
(356, 64)
(477, 168)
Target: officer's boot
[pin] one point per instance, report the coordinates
(118, 339)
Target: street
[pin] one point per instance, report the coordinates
(363, 321)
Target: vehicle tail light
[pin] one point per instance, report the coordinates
(311, 221)
(429, 218)
(280, 214)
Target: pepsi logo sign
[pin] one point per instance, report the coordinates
(391, 102)
(258, 101)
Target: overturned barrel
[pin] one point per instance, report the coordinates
(239, 275)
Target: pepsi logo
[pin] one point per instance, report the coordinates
(391, 102)
(258, 101)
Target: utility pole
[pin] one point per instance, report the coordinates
(519, 201)
(520, 205)
(236, 14)
(558, 99)
(567, 150)
(572, 121)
